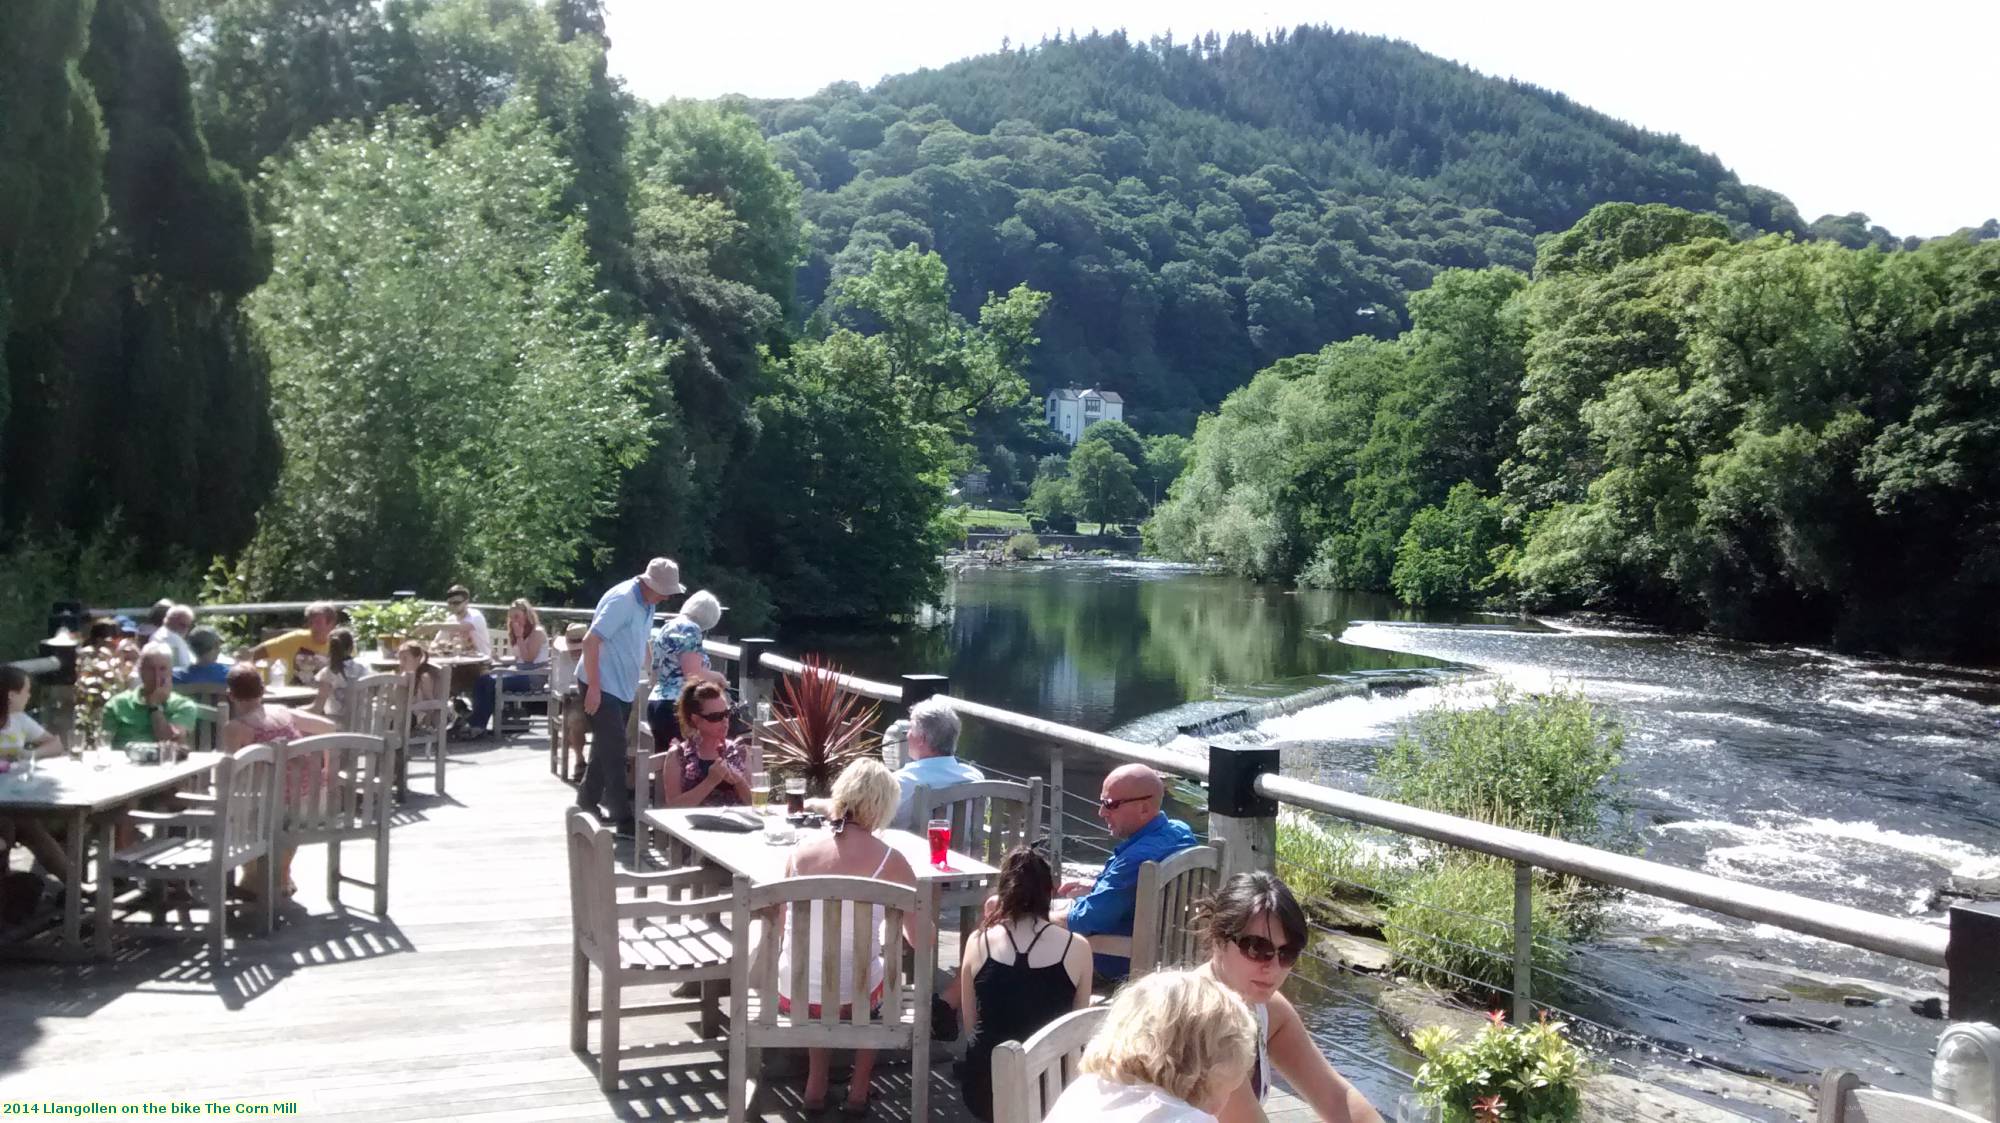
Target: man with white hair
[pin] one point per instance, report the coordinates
(933, 746)
(150, 711)
(173, 632)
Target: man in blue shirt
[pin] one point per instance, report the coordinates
(934, 763)
(614, 659)
(1130, 807)
(206, 643)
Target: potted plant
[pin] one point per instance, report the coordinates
(1505, 1074)
(817, 727)
(388, 623)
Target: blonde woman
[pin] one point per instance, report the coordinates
(531, 652)
(864, 797)
(1173, 1048)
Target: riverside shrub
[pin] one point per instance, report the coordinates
(1453, 926)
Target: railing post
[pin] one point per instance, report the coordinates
(916, 688)
(753, 682)
(1055, 809)
(1972, 960)
(1244, 821)
(1524, 943)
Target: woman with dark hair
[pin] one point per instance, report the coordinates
(251, 722)
(1013, 981)
(22, 737)
(705, 767)
(338, 677)
(1255, 931)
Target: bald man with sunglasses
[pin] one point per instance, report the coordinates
(1130, 805)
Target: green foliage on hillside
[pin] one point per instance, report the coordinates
(1771, 438)
(1199, 210)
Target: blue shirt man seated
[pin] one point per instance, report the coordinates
(1130, 807)
(934, 763)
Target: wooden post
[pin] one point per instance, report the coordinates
(917, 688)
(1055, 809)
(1524, 943)
(753, 682)
(1240, 818)
(1972, 961)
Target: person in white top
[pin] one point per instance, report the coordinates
(1255, 931)
(20, 738)
(173, 632)
(864, 796)
(472, 627)
(1172, 1049)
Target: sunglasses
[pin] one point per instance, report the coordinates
(1115, 804)
(718, 715)
(1257, 949)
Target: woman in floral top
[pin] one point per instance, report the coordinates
(706, 769)
(678, 659)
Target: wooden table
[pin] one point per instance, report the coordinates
(291, 695)
(748, 855)
(76, 792)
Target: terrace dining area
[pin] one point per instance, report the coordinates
(456, 1005)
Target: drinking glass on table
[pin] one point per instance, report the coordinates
(1411, 1108)
(795, 795)
(760, 790)
(939, 831)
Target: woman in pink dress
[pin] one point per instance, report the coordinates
(251, 722)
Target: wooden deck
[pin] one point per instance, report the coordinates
(454, 1007)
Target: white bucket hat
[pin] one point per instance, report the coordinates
(663, 577)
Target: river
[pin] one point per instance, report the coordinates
(1866, 782)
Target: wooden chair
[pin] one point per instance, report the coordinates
(1844, 1099)
(988, 818)
(204, 843)
(371, 705)
(1027, 1077)
(347, 781)
(426, 725)
(212, 713)
(538, 689)
(1162, 935)
(566, 718)
(902, 1022)
(640, 941)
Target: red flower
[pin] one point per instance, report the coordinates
(1488, 1107)
(1497, 1017)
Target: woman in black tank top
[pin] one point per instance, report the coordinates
(1012, 1001)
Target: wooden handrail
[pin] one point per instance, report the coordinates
(1904, 939)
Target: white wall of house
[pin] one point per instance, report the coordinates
(1070, 412)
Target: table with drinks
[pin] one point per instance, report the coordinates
(761, 854)
(94, 787)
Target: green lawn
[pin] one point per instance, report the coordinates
(978, 518)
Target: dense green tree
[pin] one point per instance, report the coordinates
(1445, 557)
(1101, 477)
(1166, 458)
(149, 336)
(478, 441)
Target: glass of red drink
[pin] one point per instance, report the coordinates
(940, 836)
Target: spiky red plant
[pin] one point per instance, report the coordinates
(818, 727)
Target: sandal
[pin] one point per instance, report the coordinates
(857, 1110)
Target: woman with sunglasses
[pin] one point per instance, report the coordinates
(1255, 932)
(705, 767)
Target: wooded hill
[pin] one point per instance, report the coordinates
(1198, 210)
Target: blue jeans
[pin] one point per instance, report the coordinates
(488, 688)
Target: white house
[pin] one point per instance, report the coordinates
(1071, 411)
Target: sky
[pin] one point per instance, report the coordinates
(1886, 108)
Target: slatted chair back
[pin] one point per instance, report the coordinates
(211, 714)
(370, 705)
(1162, 920)
(988, 817)
(1843, 1098)
(518, 687)
(245, 805)
(426, 725)
(593, 900)
(831, 928)
(1028, 1076)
